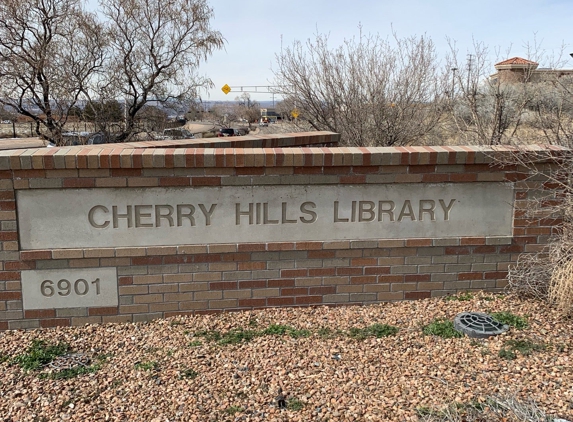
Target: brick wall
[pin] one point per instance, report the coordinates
(162, 281)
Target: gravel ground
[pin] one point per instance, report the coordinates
(177, 370)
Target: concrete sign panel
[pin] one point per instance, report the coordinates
(78, 218)
(69, 288)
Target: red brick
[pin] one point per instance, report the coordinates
(5, 195)
(364, 280)
(321, 272)
(3, 325)
(280, 301)
(7, 205)
(294, 291)
(40, 313)
(366, 169)
(250, 171)
(29, 174)
(294, 273)
(126, 172)
(322, 290)
(254, 284)
(280, 246)
(87, 182)
(251, 303)
(20, 265)
(232, 257)
(281, 282)
(455, 250)
(390, 279)
(376, 270)
(411, 278)
(511, 249)
(32, 255)
(10, 295)
(252, 247)
(337, 170)
(223, 285)
(495, 275)
(413, 243)
(321, 254)
(463, 177)
(206, 181)
(484, 249)
(307, 170)
(417, 295)
(8, 236)
(9, 275)
(55, 322)
(125, 281)
(308, 246)
(307, 300)
(109, 310)
(146, 260)
(174, 181)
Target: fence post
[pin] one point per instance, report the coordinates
(13, 129)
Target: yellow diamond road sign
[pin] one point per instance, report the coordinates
(226, 89)
(294, 113)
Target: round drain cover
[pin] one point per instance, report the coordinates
(478, 325)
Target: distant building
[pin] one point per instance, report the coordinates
(517, 69)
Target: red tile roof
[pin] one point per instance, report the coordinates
(516, 60)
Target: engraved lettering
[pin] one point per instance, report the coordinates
(208, 213)
(427, 206)
(189, 215)
(250, 213)
(407, 211)
(139, 214)
(337, 219)
(447, 208)
(159, 215)
(284, 218)
(388, 211)
(91, 219)
(304, 209)
(353, 212)
(116, 216)
(266, 219)
(366, 211)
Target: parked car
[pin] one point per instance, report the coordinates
(227, 132)
(84, 138)
(177, 133)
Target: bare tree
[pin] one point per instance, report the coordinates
(248, 109)
(49, 50)
(156, 47)
(372, 91)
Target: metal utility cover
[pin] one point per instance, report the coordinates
(478, 325)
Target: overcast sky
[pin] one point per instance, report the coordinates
(253, 29)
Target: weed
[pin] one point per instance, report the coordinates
(40, 354)
(4, 357)
(175, 323)
(195, 343)
(510, 319)
(209, 335)
(325, 332)
(294, 404)
(71, 372)
(375, 330)
(233, 409)
(461, 297)
(147, 366)
(442, 328)
(524, 347)
(188, 373)
(237, 336)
